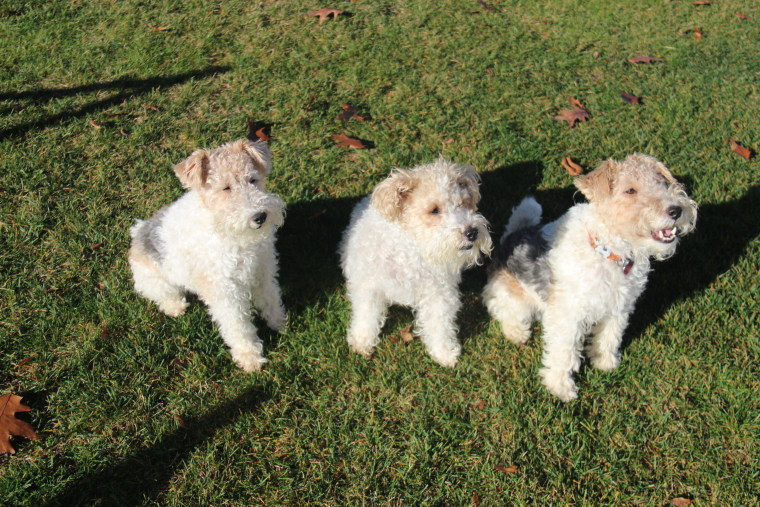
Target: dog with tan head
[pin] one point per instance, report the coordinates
(217, 241)
(407, 244)
(583, 273)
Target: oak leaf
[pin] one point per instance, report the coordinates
(349, 112)
(348, 142)
(257, 134)
(10, 404)
(573, 115)
(406, 334)
(324, 13)
(644, 59)
(507, 470)
(573, 168)
(630, 98)
(743, 151)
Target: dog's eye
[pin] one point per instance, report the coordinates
(252, 181)
(226, 189)
(435, 210)
(630, 191)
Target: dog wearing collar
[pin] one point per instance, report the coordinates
(583, 273)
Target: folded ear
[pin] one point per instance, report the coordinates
(193, 171)
(259, 153)
(598, 184)
(390, 195)
(469, 179)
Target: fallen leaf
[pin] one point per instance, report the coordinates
(573, 168)
(743, 152)
(150, 106)
(573, 115)
(24, 361)
(486, 7)
(179, 420)
(632, 99)
(701, 2)
(479, 404)
(311, 101)
(159, 28)
(394, 339)
(104, 333)
(507, 470)
(10, 404)
(681, 501)
(697, 33)
(741, 16)
(347, 142)
(406, 334)
(94, 124)
(349, 112)
(644, 59)
(324, 13)
(475, 499)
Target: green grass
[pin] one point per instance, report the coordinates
(136, 407)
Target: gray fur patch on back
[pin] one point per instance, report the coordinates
(523, 253)
(148, 236)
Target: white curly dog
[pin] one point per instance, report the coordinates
(584, 272)
(217, 241)
(407, 244)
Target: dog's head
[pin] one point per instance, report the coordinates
(230, 181)
(640, 201)
(437, 204)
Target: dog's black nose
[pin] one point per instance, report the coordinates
(471, 233)
(675, 212)
(260, 218)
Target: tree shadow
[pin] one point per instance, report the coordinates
(127, 89)
(144, 474)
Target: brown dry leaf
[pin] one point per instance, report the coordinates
(406, 334)
(159, 28)
(681, 501)
(486, 7)
(630, 98)
(697, 33)
(573, 168)
(325, 13)
(743, 152)
(10, 404)
(479, 404)
(24, 361)
(576, 103)
(701, 2)
(742, 16)
(180, 421)
(572, 115)
(349, 112)
(348, 142)
(94, 124)
(151, 107)
(475, 499)
(644, 59)
(507, 470)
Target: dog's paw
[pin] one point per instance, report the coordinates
(173, 307)
(277, 321)
(606, 362)
(446, 356)
(559, 383)
(248, 360)
(517, 334)
(364, 346)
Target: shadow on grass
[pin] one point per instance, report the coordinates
(127, 89)
(144, 475)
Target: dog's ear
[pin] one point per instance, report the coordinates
(390, 195)
(469, 180)
(193, 171)
(598, 184)
(259, 153)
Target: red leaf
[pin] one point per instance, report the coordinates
(347, 142)
(10, 404)
(741, 16)
(324, 13)
(349, 112)
(150, 106)
(632, 99)
(94, 124)
(507, 470)
(573, 168)
(572, 115)
(258, 135)
(644, 59)
(743, 152)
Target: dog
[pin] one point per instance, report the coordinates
(217, 241)
(407, 243)
(583, 273)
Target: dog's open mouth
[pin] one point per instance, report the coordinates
(665, 235)
(466, 247)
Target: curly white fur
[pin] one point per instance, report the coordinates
(407, 244)
(217, 241)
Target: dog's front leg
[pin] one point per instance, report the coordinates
(233, 316)
(603, 351)
(436, 319)
(563, 333)
(266, 292)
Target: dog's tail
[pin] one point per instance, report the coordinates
(526, 214)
